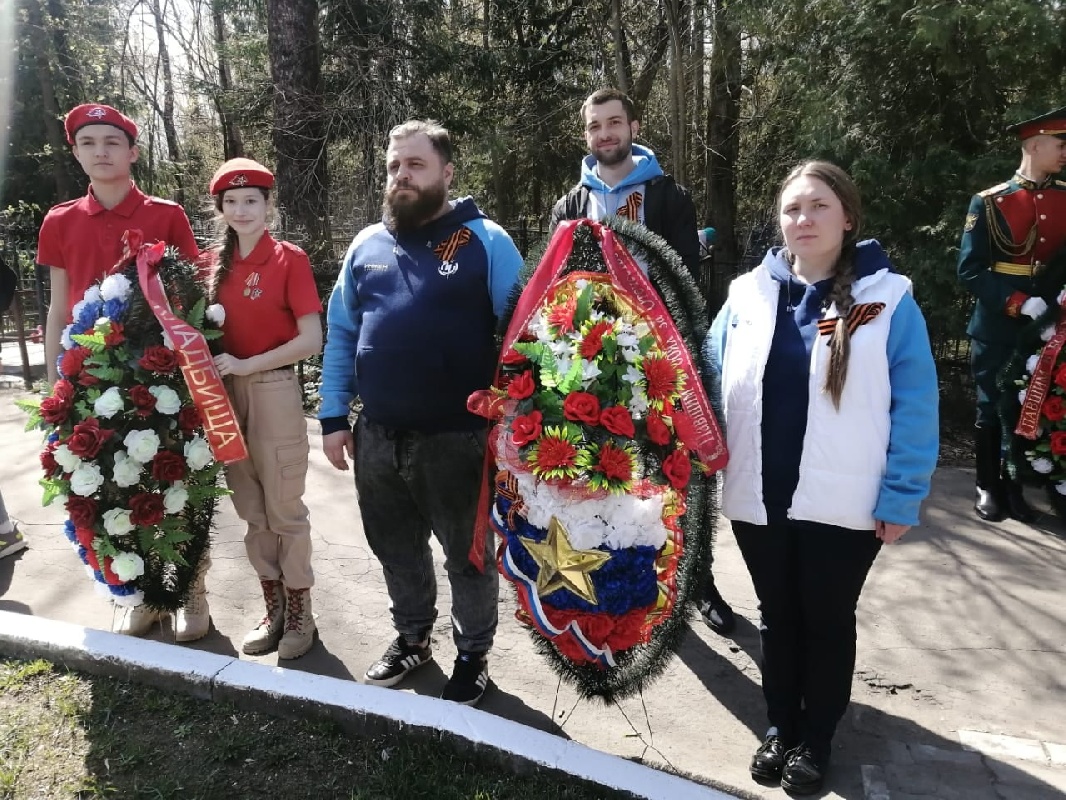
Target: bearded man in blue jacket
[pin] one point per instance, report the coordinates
(412, 320)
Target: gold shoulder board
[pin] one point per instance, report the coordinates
(999, 187)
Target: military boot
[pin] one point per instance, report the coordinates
(265, 636)
(299, 632)
(990, 502)
(193, 620)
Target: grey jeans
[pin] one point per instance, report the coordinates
(411, 484)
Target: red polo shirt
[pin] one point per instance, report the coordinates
(264, 294)
(85, 239)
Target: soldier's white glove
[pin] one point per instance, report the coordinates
(1034, 307)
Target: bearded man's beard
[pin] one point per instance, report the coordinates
(404, 214)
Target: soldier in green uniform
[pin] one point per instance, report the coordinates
(1011, 231)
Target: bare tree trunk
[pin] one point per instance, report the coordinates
(57, 141)
(723, 133)
(232, 143)
(678, 122)
(69, 67)
(299, 129)
(645, 81)
(170, 130)
(623, 65)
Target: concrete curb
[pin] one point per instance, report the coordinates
(366, 710)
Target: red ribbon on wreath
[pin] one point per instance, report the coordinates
(1040, 383)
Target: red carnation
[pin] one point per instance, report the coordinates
(85, 537)
(143, 400)
(614, 463)
(616, 419)
(82, 511)
(522, 386)
(661, 378)
(658, 431)
(88, 437)
(512, 358)
(117, 336)
(1054, 408)
(593, 341)
(677, 467)
(48, 458)
(159, 359)
(56, 408)
(168, 466)
(72, 362)
(526, 428)
(582, 407)
(146, 508)
(562, 316)
(189, 419)
(1058, 443)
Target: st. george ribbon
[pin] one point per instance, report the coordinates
(198, 368)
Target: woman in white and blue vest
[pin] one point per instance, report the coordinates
(830, 405)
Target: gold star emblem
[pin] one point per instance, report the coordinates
(563, 567)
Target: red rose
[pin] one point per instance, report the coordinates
(143, 400)
(593, 341)
(582, 407)
(1058, 443)
(1054, 409)
(48, 458)
(661, 378)
(189, 419)
(512, 358)
(168, 466)
(522, 386)
(677, 467)
(658, 431)
(88, 437)
(72, 362)
(526, 428)
(82, 511)
(56, 408)
(562, 316)
(116, 337)
(614, 463)
(147, 509)
(616, 419)
(159, 359)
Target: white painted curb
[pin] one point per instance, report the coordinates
(277, 690)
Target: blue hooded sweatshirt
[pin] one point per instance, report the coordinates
(609, 199)
(412, 320)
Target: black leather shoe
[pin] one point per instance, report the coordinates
(802, 773)
(988, 505)
(769, 759)
(1017, 507)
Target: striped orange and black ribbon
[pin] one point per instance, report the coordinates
(447, 249)
(859, 315)
(631, 209)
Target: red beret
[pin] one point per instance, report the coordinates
(241, 173)
(97, 114)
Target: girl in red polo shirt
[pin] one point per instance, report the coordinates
(271, 321)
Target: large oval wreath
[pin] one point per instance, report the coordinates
(604, 497)
(126, 452)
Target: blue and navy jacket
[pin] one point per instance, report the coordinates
(412, 321)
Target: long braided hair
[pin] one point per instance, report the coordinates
(841, 184)
(226, 243)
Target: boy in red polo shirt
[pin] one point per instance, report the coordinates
(81, 239)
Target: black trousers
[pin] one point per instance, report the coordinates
(808, 577)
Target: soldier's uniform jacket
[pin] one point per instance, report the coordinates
(1011, 231)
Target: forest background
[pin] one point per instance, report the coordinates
(910, 96)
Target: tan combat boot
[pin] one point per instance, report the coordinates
(134, 620)
(266, 634)
(299, 624)
(193, 620)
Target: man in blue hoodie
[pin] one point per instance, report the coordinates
(411, 333)
(619, 178)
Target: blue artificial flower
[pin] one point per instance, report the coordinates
(87, 318)
(115, 309)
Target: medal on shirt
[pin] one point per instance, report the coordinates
(251, 286)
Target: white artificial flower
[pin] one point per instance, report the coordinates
(1031, 362)
(78, 308)
(1061, 487)
(581, 283)
(1043, 465)
(166, 399)
(198, 453)
(638, 404)
(109, 403)
(1047, 333)
(142, 445)
(65, 340)
(102, 325)
(628, 339)
(589, 371)
(633, 375)
(86, 479)
(93, 295)
(117, 521)
(216, 312)
(58, 501)
(126, 471)
(175, 498)
(66, 459)
(127, 566)
(1021, 396)
(115, 287)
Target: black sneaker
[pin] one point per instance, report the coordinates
(399, 659)
(470, 678)
(718, 616)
